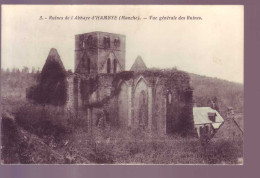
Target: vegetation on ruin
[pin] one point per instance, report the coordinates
(51, 87)
(59, 137)
(67, 140)
(228, 94)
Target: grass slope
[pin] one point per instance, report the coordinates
(34, 134)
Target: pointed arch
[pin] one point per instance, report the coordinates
(169, 97)
(124, 104)
(114, 66)
(143, 110)
(141, 103)
(112, 55)
(141, 78)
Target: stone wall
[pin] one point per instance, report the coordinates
(154, 102)
(159, 105)
(82, 58)
(91, 46)
(113, 52)
(83, 52)
(70, 94)
(123, 105)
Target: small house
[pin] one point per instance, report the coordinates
(206, 120)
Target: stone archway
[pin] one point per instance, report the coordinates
(141, 104)
(143, 110)
(123, 105)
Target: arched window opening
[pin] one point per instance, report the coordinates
(106, 42)
(117, 42)
(143, 120)
(169, 98)
(108, 66)
(81, 41)
(115, 65)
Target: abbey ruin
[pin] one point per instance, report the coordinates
(154, 100)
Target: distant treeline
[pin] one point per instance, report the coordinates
(18, 80)
(224, 93)
(206, 89)
(24, 70)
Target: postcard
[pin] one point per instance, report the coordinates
(122, 84)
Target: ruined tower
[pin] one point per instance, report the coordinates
(99, 52)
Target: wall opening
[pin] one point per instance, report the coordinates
(106, 42)
(169, 112)
(169, 98)
(115, 65)
(123, 104)
(143, 110)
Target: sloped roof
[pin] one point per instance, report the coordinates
(200, 115)
(229, 130)
(54, 56)
(138, 65)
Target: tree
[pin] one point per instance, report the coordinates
(33, 70)
(52, 84)
(185, 120)
(25, 70)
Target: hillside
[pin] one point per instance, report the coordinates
(228, 94)
(32, 134)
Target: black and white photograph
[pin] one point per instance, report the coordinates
(122, 84)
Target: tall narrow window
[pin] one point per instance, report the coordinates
(106, 42)
(115, 65)
(108, 66)
(143, 110)
(117, 42)
(169, 98)
(81, 41)
(88, 65)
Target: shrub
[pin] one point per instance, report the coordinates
(52, 85)
(46, 122)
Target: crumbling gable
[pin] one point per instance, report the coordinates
(52, 84)
(138, 65)
(152, 100)
(229, 130)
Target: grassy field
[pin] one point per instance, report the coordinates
(33, 134)
(45, 135)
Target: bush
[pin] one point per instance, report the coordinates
(222, 151)
(52, 85)
(49, 123)
(70, 142)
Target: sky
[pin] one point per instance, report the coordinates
(212, 46)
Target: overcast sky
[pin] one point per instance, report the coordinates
(212, 46)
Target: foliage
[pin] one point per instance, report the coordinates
(10, 140)
(228, 94)
(45, 122)
(172, 80)
(59, 137)
(53, 135)
(52, 85)
(185, 125)
(222, 151)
